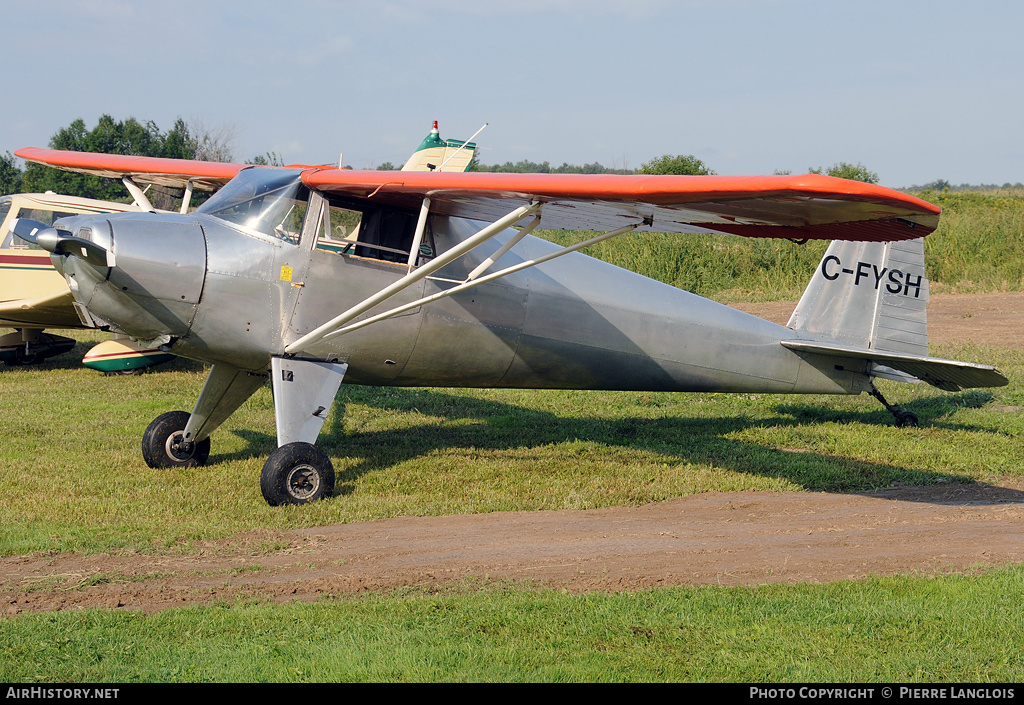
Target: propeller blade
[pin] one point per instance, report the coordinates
(46, 237)
(85, 250)
(27, 229)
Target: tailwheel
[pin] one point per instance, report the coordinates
(297, 473)
(903, 418)
(906, 419)
(164, 445)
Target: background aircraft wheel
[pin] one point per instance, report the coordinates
(297, 473)
(907, 419)
(21, 358)
(162, 445)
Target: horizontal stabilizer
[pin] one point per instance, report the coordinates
(948, 375)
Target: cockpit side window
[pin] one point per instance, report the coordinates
(386, 234)
(267, 201)
(339, 229)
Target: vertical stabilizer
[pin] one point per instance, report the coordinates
(870, 295)
(436, 154)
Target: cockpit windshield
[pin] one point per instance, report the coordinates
(268, 201)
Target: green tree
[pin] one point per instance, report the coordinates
(387, 166)
(130, 137)
(10, 175)
(679, 164)
(853, 172)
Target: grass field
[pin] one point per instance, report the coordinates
(73, 480)
(950, 629)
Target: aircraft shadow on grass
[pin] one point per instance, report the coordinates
(501, 426)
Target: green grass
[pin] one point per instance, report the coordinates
(979, 245)
(948, 629)
(74, 479)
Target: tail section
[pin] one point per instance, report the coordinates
(870, 295)
(868, 301)
(436, 154)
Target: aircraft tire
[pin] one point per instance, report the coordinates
(907, 419)
(297, 473)
(23, 359)
(160, 447)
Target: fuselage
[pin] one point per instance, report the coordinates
(217, 287)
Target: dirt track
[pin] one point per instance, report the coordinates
(737, 538)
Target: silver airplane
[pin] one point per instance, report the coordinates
(313, 276)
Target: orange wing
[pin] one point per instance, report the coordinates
(175, 173)
(797, 207)
(810, 206)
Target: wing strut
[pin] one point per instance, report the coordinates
(137, 193)
(504, 248)
(186, 199)
(470, 282)
(414, 276)
(421, 226)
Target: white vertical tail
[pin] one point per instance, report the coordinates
(871, 295)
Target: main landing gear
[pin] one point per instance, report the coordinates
(904, 419)
(30, 346)
(295, 473)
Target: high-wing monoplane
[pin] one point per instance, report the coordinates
(311, 277)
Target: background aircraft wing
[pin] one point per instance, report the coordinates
(810, 206)
(175, 173)
(51, 311)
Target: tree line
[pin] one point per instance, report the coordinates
(132, 137)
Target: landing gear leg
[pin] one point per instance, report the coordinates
(298, 472)
(903, 418)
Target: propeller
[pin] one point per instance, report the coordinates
(47, 237)
(27, 229)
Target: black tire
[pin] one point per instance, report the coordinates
(134, 372)
(907, 419)
(23, 359)
(162, 446)
(297, 473)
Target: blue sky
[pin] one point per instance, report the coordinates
(916, 91)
